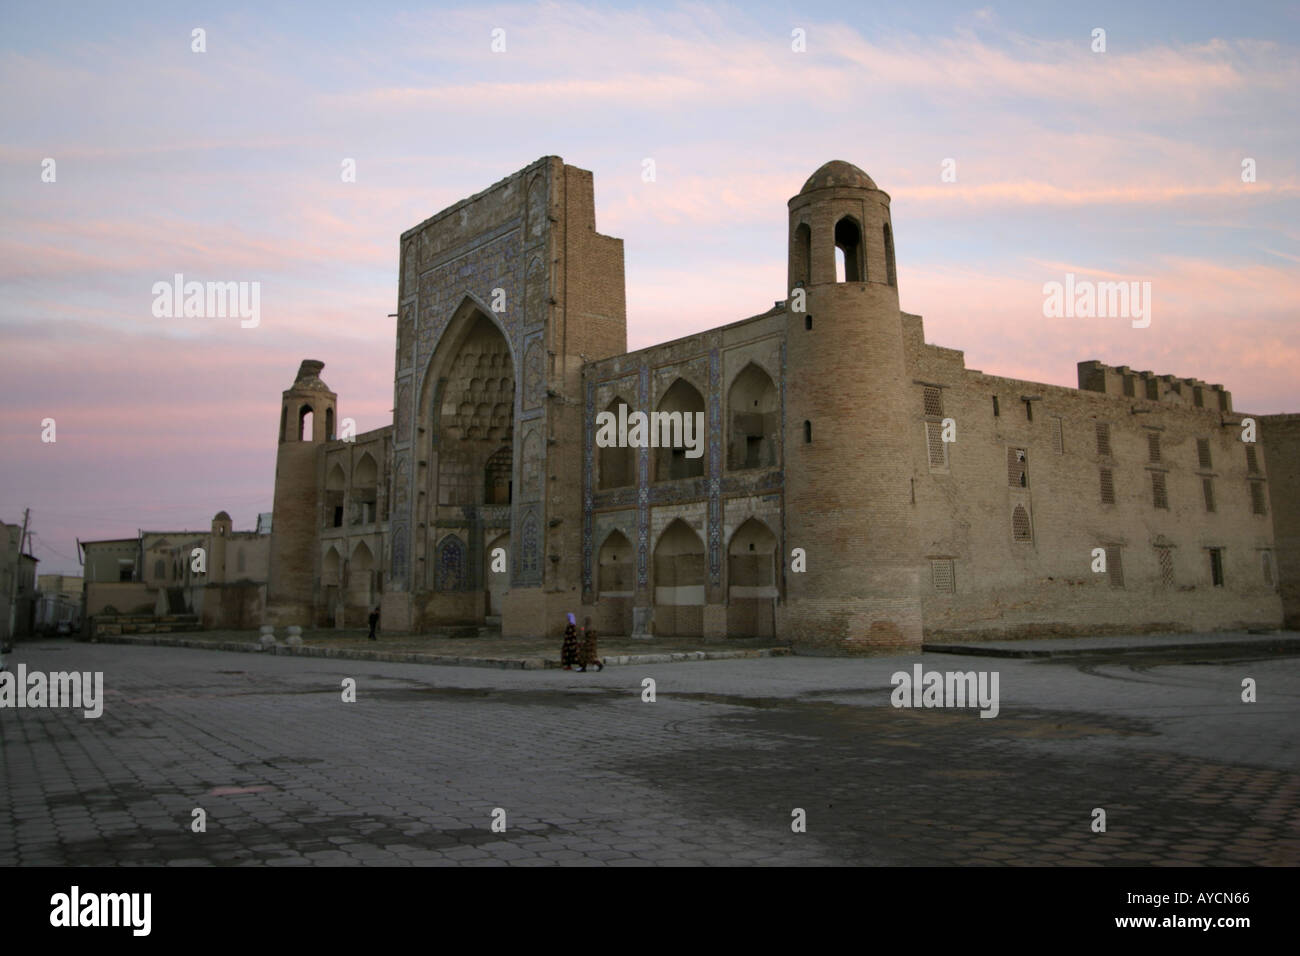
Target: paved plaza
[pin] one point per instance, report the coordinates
(587, 772)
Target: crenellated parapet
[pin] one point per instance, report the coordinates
(1124, 382)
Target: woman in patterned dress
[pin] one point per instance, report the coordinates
(588, 655)
(569, 650)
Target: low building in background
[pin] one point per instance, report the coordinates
(177, 580)
(58, 601)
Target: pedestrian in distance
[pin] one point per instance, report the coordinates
(588, 654)
(374, 623)
(569, 650)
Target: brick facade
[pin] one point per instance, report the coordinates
(825, 419)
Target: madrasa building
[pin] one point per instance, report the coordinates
(855, 487)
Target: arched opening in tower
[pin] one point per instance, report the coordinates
(848, 246)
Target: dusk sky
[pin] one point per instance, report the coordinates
(225, 166)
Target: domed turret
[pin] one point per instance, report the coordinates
(847, 415)
(840, 229)
(308, 402)
(306, 423)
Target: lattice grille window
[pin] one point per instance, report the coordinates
(1020, 530)
(1159, 494)
(1207, 486)
(1216, 567)
(1257, 505)
(1153, 446)
(1103, 439)
(1203, 457)
(1166, 559)
(1058, 436)
(1153, 389)
(1252, 460)
(936, 447)
(1017, 468)
(934, 401)
(1266, 565)
(1114, 566)
(1107, 486)
(941, 573)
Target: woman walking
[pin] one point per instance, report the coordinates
(589, 655)
(569, 650)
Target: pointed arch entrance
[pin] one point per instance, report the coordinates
(466, 467)
(679, 578)
(752, 580)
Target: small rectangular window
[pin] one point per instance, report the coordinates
(1159, 494)
(807, 432)
(1252, 460)
(1166, 558)
(1107, 487)
(1153, 446)
(1207, 486)
(1203, 457)
(807, 322)
(996, 412)
(936, 446)
(1020, 527)
(1114, 566)
(934, 402)
(1029, 411)
(338, 516)
(1058, 436)
(1103, 440)
(1257, 504)
(1216, 567)
(1017, 468)
(941, 573)
(1153, 389)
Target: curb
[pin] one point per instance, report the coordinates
(1277, 644)
(507, 663)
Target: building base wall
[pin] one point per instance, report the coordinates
(533, 612)
(1043, 612)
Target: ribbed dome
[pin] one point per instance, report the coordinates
(838, 173)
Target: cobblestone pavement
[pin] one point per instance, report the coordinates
(587, 773)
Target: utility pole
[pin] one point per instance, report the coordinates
(13, 588)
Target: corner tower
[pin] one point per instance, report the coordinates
(848, 461)
(306, 422)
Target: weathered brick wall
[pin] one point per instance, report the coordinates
(1047, 585)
